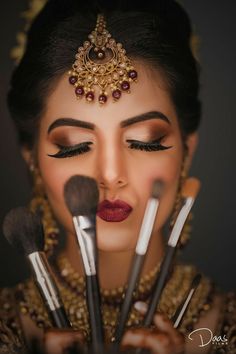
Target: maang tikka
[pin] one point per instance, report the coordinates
(103, 63)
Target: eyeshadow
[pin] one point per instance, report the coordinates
(67, 136)
(148, 131)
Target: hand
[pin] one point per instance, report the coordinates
(57, 341)
(163, 339)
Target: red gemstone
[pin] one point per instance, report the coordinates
(116, 94)
(79, 91)
(73, 79)
(133, 74)
(53, 235)
(102, 98)
(125, 85)
(89, 96)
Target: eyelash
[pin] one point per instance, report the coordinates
(70, 151)
(154, 145)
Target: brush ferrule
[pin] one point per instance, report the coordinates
(147, 226)
(180, 221)
(86, 222)
(84, 228)
(44, 280)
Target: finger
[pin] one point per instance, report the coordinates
(164, 324)
(158, 343)
(57, 341)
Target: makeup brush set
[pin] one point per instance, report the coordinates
(24, 231)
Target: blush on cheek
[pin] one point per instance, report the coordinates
(169, 174)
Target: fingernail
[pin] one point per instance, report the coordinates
(140, 306)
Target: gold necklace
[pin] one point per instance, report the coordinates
(72, 290)
(76, 283)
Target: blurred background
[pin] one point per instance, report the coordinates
(213, 241)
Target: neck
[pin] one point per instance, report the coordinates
(114, 266)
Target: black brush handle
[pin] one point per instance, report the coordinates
(159, 285)
(94, 308)
(59, 318)
(126, 306)
(157, 291)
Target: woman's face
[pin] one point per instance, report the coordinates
(123, 145)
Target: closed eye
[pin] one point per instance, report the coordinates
(154, 145)
(70, 151)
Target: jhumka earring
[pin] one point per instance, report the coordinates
(185, 234)
(39, 204)
(103, 63)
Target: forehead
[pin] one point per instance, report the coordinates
(148, 94)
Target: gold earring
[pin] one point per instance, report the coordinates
(40, 204)
(185, 234)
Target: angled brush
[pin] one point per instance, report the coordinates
(190, 191)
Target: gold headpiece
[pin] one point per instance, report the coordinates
(101, 62)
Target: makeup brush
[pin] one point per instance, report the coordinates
(81, 196)
(179, 314)
(24, 231)
(190, 191)
(138, 260)
(182, 308)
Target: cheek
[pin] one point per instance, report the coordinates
(171, 174)
(166, 168)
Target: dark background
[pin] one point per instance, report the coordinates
(213, 242)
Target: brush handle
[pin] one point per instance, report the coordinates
(44, 279)
(126, 306)
(59, 318)
(182, 308)
(178, 312)
(94, 308)
(159, 285)
(157, 291)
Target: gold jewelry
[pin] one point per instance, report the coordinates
(32, 11)
(40, 204)
(115, 296)
(75, 303)
(103, 63)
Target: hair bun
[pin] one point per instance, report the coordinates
(167, 10)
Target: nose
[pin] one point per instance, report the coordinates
(111, 168)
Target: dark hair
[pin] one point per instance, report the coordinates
(158, 33)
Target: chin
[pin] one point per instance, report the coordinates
(115, 241)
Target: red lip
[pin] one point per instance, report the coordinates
(114, 211)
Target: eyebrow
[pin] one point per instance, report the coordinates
(125, 123)
(70, 122)
(145, 116)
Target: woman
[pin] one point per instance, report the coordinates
(68, 125)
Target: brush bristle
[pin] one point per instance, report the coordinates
(191, 187)
(81, 195)
(24, 231)
(196, 280)
(157, 188)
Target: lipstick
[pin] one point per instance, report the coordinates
(114, 211)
